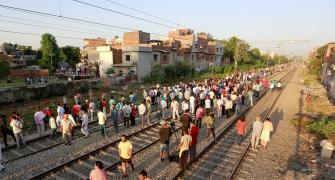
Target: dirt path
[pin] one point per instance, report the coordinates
(273, 162)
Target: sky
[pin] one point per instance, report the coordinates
(262, 23)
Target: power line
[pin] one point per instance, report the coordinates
(42, 26)
(121, 13)
(63, 17)
(61, 25)
(34, 34)
(143, 12)
(45, 14)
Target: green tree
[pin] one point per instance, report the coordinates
(4, 69)
(50, 52)
(232, 51)
(321, 51)
(70, 55)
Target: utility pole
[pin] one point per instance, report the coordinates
(236, 55)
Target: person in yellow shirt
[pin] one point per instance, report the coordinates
(125, 152)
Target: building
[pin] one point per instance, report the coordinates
(89, 51)
(200, 49)
(328, 64)
(137, 54)
(108, 57)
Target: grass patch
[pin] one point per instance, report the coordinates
(324, 127)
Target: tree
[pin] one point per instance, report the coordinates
(232, 51)
(4, 69)
(70, 55)
(321, 51)
(50, 52)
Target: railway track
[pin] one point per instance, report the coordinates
(79, 167)
(43, 143)
(220, 159)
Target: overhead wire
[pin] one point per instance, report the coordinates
(145, 13)
(81, 20)
(35, 34)
(121, 13)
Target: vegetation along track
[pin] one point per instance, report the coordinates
(221, 158)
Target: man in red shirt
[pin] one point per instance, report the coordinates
(194, 131)
(75, 112)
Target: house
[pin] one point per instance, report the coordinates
(89, 51)
(328, 65)
(200, 49)
(137, 54)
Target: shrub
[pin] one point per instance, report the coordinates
(325, 127)
(110, 70)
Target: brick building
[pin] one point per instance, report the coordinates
(137, 54)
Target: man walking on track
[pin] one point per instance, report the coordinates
(194, 131)
(184, 146)
(267, 129)
(125, 152)
(186, 120)
(102, 123)
(175, 109)
(141, 111)
(164, 139)
(256, 132)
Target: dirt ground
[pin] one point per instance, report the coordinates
(292, 152)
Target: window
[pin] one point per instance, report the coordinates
(164, 58)
(217, 49)
(205, 47)
(196, 46)
(155, 57)
(127, 57)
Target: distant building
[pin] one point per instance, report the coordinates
(137, 54)
(89, 51)
(200, 49)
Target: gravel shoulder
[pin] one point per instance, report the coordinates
(285, 155)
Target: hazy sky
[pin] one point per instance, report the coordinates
(251, 20)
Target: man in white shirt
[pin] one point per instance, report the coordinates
(141, 111)
(192, 104)
(184, 105)
(92, 107)
(17, 129)
(102, 123)
(219, 107)
(208, 104)
(175, 109)
(126, 109)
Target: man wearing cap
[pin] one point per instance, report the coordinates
(164, 139)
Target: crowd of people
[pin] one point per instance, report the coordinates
(192, 103)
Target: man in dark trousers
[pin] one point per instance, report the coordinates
(164, 139)
(5, 130)
(186, 120)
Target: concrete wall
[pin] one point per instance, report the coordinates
(106, 59)
(30, 73)
(24, 93)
